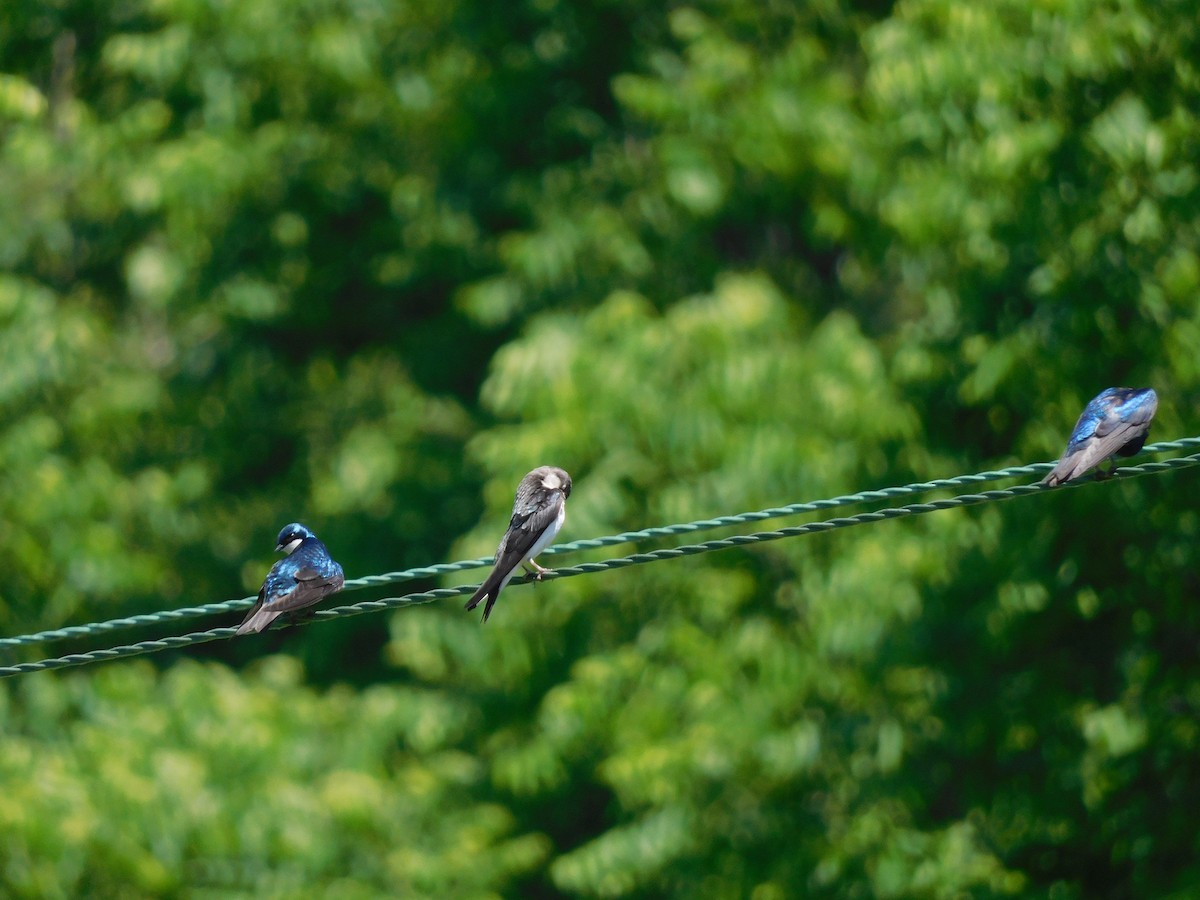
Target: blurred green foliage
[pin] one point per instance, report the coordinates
(364, 264)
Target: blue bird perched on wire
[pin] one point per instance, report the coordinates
(300, 579)
(539, 510)
(1114, 424)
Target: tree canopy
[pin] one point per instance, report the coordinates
(364, 264)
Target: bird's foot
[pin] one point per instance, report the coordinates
(300, 616)
(535, 571)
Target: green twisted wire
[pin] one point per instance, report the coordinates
(920, 487)
(369, 606)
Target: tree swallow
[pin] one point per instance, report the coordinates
(1114, 424)
(300, 579)
(538, 513)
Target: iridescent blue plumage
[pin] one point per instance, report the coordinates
(1115, 423)
(300, 579)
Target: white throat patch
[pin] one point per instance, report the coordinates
(551, 481)
(291, 545)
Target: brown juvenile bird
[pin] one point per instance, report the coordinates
(538, 513)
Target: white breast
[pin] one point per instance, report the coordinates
(549, 534)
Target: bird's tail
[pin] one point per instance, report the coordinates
(257, 620)
(489, 589)
(1064, 470)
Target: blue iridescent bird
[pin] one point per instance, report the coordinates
(1114, 424)
(539, 510)
(300, 579)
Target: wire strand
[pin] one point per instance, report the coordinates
(369, 606)
(226, 606)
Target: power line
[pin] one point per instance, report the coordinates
(226, 606)
(368, 606)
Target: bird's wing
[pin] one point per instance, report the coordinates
(307, 574)
(295, 591)
(1111, 436)
(526, 527)
(1137, 417)
(296, 597)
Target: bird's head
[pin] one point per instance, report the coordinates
(291, 537)
(555, 479)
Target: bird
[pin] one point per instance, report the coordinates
(300, 579)
(1115, 423)
(539, 510)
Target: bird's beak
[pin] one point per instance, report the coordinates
(279, 548)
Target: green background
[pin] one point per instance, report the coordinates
(365, 263)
